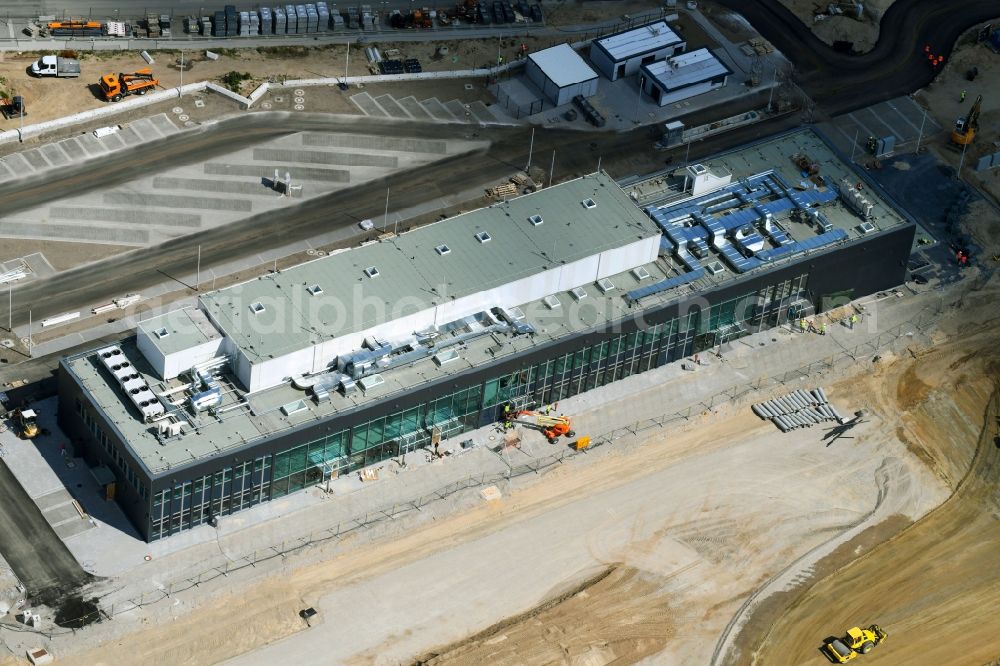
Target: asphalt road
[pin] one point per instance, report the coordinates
(840, 82)
(39, 558)
(576, 153)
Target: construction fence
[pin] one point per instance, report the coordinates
(870, 350)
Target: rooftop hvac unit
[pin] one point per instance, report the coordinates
(131, 383)
(171, 429)
(552, 302)
(605, 285)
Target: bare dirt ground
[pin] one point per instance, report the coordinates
(862, 34)
(939, 574)
(943, 99)
(658, 547)
(61, 255)
(52, 98)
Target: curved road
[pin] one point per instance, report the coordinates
(841, 82)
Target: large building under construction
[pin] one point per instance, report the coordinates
(284, 381)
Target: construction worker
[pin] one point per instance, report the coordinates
(854, 320)
(822, 328)
(802, 324)
(961, 97)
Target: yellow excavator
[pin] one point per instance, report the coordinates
(966, 126)
(857, 641)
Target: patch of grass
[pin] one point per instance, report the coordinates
(233, 80)
(283, 51)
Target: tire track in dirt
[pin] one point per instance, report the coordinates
(942, 567)
(802, 568)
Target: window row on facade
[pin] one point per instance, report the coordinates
(611, 359)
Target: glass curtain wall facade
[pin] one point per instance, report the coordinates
(615, 357)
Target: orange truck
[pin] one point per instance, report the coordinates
(117, 86)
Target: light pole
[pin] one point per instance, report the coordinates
(385, 217)
(531, 147)
(180, 91)
(921, 134)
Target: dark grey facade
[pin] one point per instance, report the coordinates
(183, 497)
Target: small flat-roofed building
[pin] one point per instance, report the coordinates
(683, 76)
(178, 340)
(622, 54)
(561, 74)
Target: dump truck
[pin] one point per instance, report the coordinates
(25, 420)
(856, 641)
(51, 65)
(117, 86)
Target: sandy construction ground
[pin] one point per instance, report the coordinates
(681, 549)
(52, 98)
(861, 33)
(943, 99)
(934, 585)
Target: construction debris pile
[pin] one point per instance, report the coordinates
(798, 409)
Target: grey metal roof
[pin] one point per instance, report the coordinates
(238, 427)
(645, 38)
(563, 65)
(413, 275)
(178, 330)
(686, 69)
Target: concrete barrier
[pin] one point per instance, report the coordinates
(419, 76)
(103, 112)
(226, 92)
(259, 92)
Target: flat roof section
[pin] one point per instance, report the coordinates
(637, 41)
(178, 330)
(237, 427)
(563, 65)
(686, 69)
(426, 266)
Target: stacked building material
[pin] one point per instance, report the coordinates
(798, 409)
(323, 12)
(280, 21)
(266, 23)
(312, 18)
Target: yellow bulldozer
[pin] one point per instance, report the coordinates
(857, 641)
